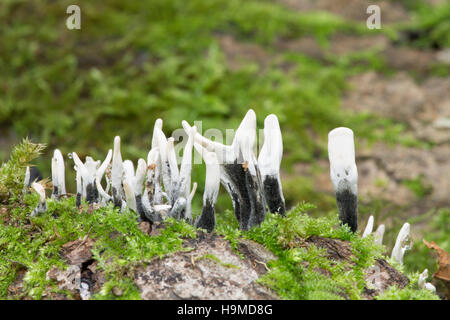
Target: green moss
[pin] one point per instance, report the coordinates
(407, 293)
(12, 172)
(119, 244)
(307, 273)
(299, 272)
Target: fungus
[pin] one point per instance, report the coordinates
(378, 235)
(87, 172)
(129, 194)
(42, 205)
(117, 174)
(133, 187)
(401, 244)
(153, 190)
(239, 172)
(369, 227)
(99, 176)
(269, 161)
(58, 175)
(207, 219)
(423, 284)
(344, 174)
(176, 181)
(79, 187)
(26, 181)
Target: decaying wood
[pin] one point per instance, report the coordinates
(207, 268)
(378, 277)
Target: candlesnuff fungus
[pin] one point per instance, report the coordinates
(42, 205)
(32, 174)
(269, 161)
(176, 181)
(401, 244)
(344, 174)
(378, 234)
(79, 186)
(133, 184)
(239, 171)
(369, 227)
(422, 282)
(117, 174)
(153, 189)
(99, 176)
(207, 219)
(58, 175)
(26, 181)
(87, 172)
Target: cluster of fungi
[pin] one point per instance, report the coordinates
(159, 188)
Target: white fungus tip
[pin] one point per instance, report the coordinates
(401, 244)
(271, 153)
(40, 190)
(369, 227)
(152, 157)
(341, 154)
(379, 233)
(159, 123)
(129, 194)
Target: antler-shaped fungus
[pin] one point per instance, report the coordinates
(344, 174)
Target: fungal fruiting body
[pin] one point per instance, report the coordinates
(154, 163)
(422, 282)
(153, 190)
(58, 175)
(87, 172)
(117, 174)
(378, 234)
(54, 179)
(26, 181)
(133, 184)
(184, 182)
(369, 227)
(239, 171)
(254, 209)
(207, 219)
(176, 180)
(269, 161)
(344, 174)
(401, 244)
(79, 186)
(129, 194)
(99, 176)
(42, 205)
(143, 206)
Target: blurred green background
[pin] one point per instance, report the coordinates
(135, 61)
